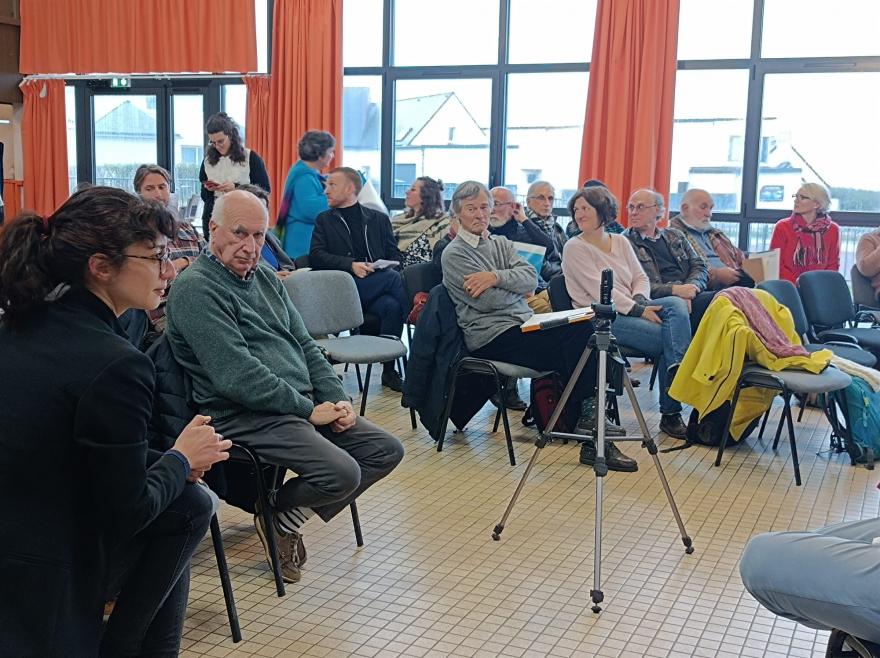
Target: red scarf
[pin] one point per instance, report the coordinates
(810, 249)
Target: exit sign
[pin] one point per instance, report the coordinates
(120, 83)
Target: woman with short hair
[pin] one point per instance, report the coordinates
(153, 183)
(656, 327)
(423, 223)
(808, 239)
(304, 197)
(83, 502)
(227, 163)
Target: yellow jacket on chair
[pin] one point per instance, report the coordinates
(714, 361)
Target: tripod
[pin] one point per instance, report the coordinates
(604, 343)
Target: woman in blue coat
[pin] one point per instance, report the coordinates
(304, 197)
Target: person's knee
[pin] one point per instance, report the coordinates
(756, 564)
(394, 452)
(346, 478)
(194, 506)
(676, 305)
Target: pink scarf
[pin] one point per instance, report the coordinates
(810, 249)
(761, 322)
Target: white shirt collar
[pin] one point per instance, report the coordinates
(470, 238)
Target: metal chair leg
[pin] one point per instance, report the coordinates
(449, 399)
(357, 371)
(365, 389)
(497, 420)
(779, 429)
(412, 417)
(356, 522)
(791, 440)
(803, 407)
(225, 583)
(764, 422)
(653, 374)
(726, 431)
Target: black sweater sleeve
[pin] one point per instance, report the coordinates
(259, 175)
(132, 485)
(320, 255)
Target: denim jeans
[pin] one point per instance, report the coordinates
(667, 341)
(153, 570)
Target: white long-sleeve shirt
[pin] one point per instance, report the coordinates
(582, 265)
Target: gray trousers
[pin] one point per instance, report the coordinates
(333, 469)
(827, 578)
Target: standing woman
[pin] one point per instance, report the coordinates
(304, 197)
(227, 163)
(83, 501)
(423, 223)
(809, 239)
(153, 183)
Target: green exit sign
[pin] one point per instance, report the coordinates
(120, 83)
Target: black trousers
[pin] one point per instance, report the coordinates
(152, 570)
(557, 349)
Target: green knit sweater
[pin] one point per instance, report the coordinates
(245, 345)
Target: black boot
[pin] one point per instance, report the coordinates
(615, 459)
(673, 425)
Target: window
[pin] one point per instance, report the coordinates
(362, 125)
(708, 133)
(70, 111)
(234, 103)
(715, 30)
(125, 137)
(362, 33)
(551, 31)
(816, 28)
(425, 110)
(261, 20)
(189, 138)
(454, 32)
(545, 124)
(815, 143)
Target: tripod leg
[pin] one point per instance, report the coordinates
(652, 450)
(496, 532)
(601, 470)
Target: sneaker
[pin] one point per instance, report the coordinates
(615, 459)
(587, 422)
(288, 550)
(673, 425)
(392, 380)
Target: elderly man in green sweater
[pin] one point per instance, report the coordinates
(264, 382)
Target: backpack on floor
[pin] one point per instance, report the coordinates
(707, 430)
(863, 407)
(544, 395)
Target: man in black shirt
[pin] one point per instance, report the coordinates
(351, 238)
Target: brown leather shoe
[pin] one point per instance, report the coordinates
(288, 553)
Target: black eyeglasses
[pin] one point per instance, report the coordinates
(162, 258)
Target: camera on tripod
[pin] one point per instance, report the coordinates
(605, 310)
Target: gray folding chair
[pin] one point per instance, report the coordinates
(329, 305)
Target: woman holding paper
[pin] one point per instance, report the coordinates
(656, 327)
(808, 240)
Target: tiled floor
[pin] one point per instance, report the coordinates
(431, 582)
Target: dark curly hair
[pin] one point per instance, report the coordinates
(314, 144)
(223, 123)
(601, 199)
(431, 197)
(38, 254)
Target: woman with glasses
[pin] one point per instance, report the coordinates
(423, 223)
(809, 239)
(83, 502)
(227, 163)
(656, 327)
(153, 183)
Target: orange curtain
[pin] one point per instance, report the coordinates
(133, 36)
(257, 124)
(628, 129)
(306, 83)
(44, 141)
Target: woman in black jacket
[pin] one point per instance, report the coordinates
(87, 512)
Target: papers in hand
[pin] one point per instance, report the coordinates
(533, 254)
(382, 264)
(549, 320)
(762, 265)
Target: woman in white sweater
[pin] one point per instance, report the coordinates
(658, 327)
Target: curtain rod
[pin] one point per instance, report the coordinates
(140, 76)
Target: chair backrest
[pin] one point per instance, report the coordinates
(787, 295)
(327, 301)
(558, 293)
(421, 277)
(862, 291)
(826, 299)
